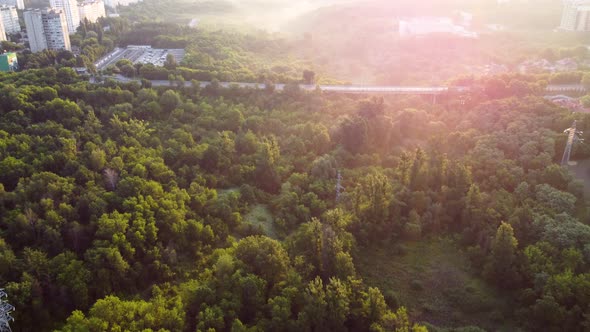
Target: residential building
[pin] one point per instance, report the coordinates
(2, 31)
(115, 3)
(47, 29)
(56, 30)
(91, 10)
(8, 62)
(576, 15)
(430, 25)
(9, 17)
(70, 9)
(565, 65)
(19, 4)
(493, 69)
(35, 32)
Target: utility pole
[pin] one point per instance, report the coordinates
(339, 187)
(5, 310)
(574, 135)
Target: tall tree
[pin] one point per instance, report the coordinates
(502, 266)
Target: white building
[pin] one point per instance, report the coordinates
(91, 10)
(47, 29)
(9, 16)
(2, 31)
(70, 8)
(426, 25)
(115, 3)
(19, 4)
(576, 15)
(35, 32)
(56, 30)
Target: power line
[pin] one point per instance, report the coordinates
(574, 135)
(339, 187)
(5, 310)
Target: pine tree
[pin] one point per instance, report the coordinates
(501, 267)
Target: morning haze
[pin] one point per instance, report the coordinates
(258, 165)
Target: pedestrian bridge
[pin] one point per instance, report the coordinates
(361, 89)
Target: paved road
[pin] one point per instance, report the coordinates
(310, 87)
(409, 90)
(110, 59)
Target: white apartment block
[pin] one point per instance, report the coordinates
(56, 30)
(115, 3)
(9, 16)
(91, 10)
(576, 15)
(2, 31)
(35, 32)
(428, 25)
(70, 9)
(47, 29)
(19, 4)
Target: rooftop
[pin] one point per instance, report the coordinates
(429, 25)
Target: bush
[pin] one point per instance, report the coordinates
(428, 308)
(391, 299)
(413, 231)
(248, 193)
(416, 285)
(497, 316)
(400, 250)
(433, 328)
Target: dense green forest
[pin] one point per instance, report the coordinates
(127, 207)
(130, 208)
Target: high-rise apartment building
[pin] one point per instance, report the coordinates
(91, 10)
(9, 16)
(115, 3)
(56, 30)
(576, 15)
(19, 4)
(47, 29)
(70, 9)
(2, 31)
(35, 32)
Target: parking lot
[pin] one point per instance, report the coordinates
(139, 54)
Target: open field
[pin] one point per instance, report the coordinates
(581, 170)
(260, 216)
(434, 281)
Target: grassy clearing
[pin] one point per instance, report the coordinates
(260, 216)
(434, 281)
(225, 192)
(581, 170)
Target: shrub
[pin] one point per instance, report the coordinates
(413, 231)
(391, 299)
(416, 285)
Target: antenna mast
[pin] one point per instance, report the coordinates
(574, 135)
(339, 187)
(5, 310)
